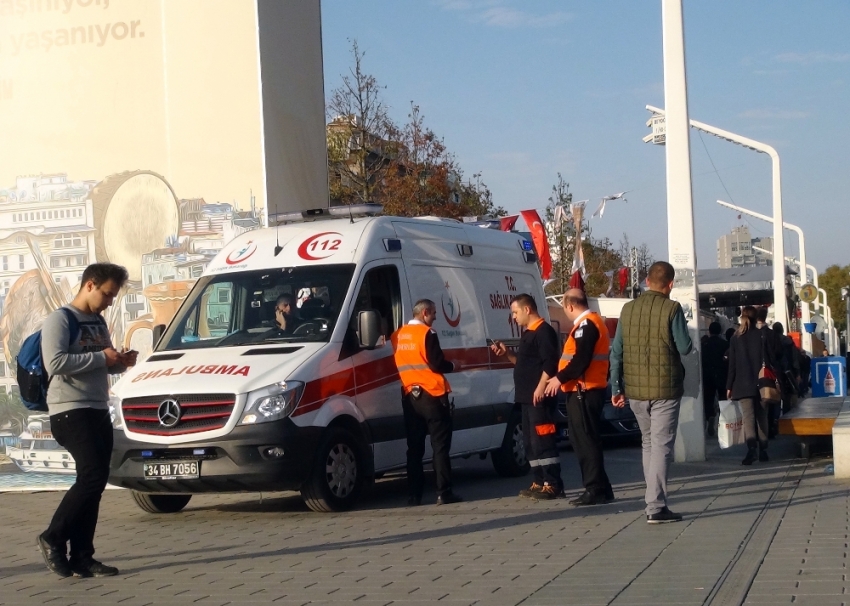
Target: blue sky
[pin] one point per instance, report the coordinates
(522, 90)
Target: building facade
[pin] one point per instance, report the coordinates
(739, 249)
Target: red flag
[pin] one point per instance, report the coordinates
(507, 223)
(541, 242)
(577, 281)
(624, 278)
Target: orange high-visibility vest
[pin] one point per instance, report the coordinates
(409, 346)
(596, 375)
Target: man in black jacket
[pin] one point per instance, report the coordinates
(535, 362)
(713, 373)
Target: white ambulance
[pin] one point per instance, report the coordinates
(228, 402)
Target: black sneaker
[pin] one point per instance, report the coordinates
(414, 500)
(54, 558)
(763, 456)
(529, 492)
(665, 516)
(587, 498)
(447, 498)
(751, 456)
(90, 567)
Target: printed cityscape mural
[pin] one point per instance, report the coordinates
(51, 227)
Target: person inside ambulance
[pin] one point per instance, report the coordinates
(427, 410)
(284, 318)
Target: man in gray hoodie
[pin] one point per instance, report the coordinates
(79, 356)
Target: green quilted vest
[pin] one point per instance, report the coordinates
(652, 367)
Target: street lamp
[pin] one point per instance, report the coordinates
(781, 308)
(807, 317)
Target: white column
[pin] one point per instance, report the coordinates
(690, 440)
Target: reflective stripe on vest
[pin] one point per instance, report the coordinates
(410, 359)
(596, 375)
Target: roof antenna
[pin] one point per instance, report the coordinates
(277, 247)
(350, 215)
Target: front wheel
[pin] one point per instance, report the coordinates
(510, 460)
(160, 503)
(338, 473)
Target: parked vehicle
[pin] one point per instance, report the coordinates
(615, 424)
(229, 403)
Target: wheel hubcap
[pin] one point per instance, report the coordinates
(341, 470)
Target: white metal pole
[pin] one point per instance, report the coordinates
(827, 316)
(690, 438)
(805, 312)
(780, 305)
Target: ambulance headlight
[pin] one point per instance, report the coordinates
(115, 414)
(272, 403)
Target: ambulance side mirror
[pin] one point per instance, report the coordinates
(369, 328)
(157, 333)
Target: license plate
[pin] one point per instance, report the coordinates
(180, 470)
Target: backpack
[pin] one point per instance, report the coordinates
(32, 375)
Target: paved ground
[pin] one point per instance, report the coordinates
(773, 533)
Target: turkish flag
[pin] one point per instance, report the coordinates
(577, 281)
(507, 223)
(623, 275)
(541, 242)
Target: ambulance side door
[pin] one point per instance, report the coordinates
(377, 385)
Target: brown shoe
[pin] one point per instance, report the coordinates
(529, 492)
(548, 493)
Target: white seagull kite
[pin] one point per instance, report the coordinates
(601, 210)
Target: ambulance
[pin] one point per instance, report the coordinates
(228, 402)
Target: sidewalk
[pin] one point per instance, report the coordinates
(773, 533)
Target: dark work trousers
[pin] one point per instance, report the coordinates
(711, 389)
(583, 414)
(541, 443)
(427, 415)
(86, 433)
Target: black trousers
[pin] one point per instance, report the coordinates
(86, 433)
(427, 415)
(541, 443)
(583, 414)
(711, 388)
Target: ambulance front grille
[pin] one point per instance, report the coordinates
(174, 415)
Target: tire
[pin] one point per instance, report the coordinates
(338, 474)
(510, 460)
(160, 503)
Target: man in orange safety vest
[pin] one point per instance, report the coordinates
(425, 401)
(583, 375)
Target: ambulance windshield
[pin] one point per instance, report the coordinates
(292, 304)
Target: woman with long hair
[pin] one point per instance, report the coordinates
(747, 353)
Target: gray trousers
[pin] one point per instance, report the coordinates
(658, 421)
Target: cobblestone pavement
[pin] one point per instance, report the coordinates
(772, 533)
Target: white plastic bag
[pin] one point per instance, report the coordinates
(730, 424)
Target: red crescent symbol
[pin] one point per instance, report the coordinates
(302, 250)
(241, 254)
(452, 323)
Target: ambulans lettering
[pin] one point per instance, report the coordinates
(190, 370)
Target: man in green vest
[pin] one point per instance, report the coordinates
(646, 365)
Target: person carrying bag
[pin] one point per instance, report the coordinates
(750, 366)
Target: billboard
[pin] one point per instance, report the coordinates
(146, 133)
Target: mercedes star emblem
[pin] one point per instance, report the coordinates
(169, 413)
